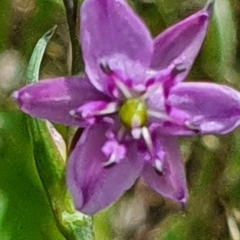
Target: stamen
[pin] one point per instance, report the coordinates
(160, 115)
(159, 165)
(140, 88)
(114, 151)
(150, 90)
(178, 68)
(190, 126)
(110, 108)
(136, 133)
(72, 112)
(148, 140)
(165, 77)
(95, 108)
(120, 85)
(106, 69)
(89, 119)
(111, 160)
(124, 89)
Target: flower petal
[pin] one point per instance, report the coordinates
(52, 99)
(181, 42)
(211, 108)
(128, 69)
(92, 185)
(156, 99)
(110, 27)
(173, 184)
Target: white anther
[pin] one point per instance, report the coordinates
(139, 88)
(72, 112)
(136, 133)
(158, 165)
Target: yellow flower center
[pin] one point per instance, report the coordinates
(133, 113)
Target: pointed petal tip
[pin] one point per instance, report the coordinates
(93, 187)
(183, 204)
(15, 95)
(87, 211)
(178, 68)
(126, 36)
(209, 6)
(181, 198)
(21, 97)
(17, 98)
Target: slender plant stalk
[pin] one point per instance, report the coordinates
(71, 7)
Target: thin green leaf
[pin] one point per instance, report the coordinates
(37, 55)
(50, 164)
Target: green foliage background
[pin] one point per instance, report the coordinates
(34, 203)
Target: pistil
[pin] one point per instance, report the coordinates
(133, 113)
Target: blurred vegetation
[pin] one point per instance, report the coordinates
(34, 200)
(28, 209)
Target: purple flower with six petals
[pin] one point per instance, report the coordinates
(132, 104)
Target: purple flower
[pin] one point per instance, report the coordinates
(132, 104)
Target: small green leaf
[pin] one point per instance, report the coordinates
(37, 55)
(49, 162)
